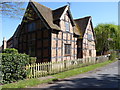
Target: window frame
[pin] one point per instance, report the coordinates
(67, 48)
(90, 53)
(89, 37)
(31, 48)
(67, 28)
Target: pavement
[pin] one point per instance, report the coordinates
(104, 77)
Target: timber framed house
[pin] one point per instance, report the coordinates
(53, 35)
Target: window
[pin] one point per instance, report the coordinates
(90, 52)
(67, 49)
(89, 37)
(31, 26)
(31, 51)
(67, 26)
(31, 48)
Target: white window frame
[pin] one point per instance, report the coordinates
(89, 37)
(67, 26)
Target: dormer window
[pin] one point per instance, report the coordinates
(67, 26)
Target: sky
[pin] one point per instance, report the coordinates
(101, 12)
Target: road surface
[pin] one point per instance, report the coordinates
(104, 77)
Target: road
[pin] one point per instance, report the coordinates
(104, 77)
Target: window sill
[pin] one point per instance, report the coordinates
(68, 31)
(67, 55)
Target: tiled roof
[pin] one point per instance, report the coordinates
(52, 15)
(46, 14)
(16, 34)
(81, 25)
(58, 12)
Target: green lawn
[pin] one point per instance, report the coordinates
(33, 82)
(25, 83)
(80, 70)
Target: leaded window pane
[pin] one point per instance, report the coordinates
(67, 26)
(67, 49)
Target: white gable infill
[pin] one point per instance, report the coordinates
(89, 23)
(62, 16)
(64, 12)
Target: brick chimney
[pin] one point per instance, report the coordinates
(4, 43)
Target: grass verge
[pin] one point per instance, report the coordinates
(33, 82)
(26, 83)
(81, 70)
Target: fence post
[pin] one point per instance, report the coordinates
(65, 64)
(38, 70)
(41, 69)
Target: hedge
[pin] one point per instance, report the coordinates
(13, 65)
(10, 50)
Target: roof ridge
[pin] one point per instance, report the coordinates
(40, 4)
(83, 18)
(60, 8)
(46, 13)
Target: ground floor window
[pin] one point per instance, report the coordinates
(31, 48)
(67, 49)
(31, 51)
(90, 52)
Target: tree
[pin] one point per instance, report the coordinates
(107, 36)
(12, 9)
(15, 10)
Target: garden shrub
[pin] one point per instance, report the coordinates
(13, 66)
(10, 50)
(32, 60)
(113, 55)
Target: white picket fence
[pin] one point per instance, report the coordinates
(48, 68)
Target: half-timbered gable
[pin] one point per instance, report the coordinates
(63, 44)
(34, 34)
(86, 41)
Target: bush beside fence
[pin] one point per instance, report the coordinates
(12, 66)
(44, 69)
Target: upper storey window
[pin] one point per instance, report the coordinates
(31, 26)
(89, 37)
(67, 23)
(67, 26)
